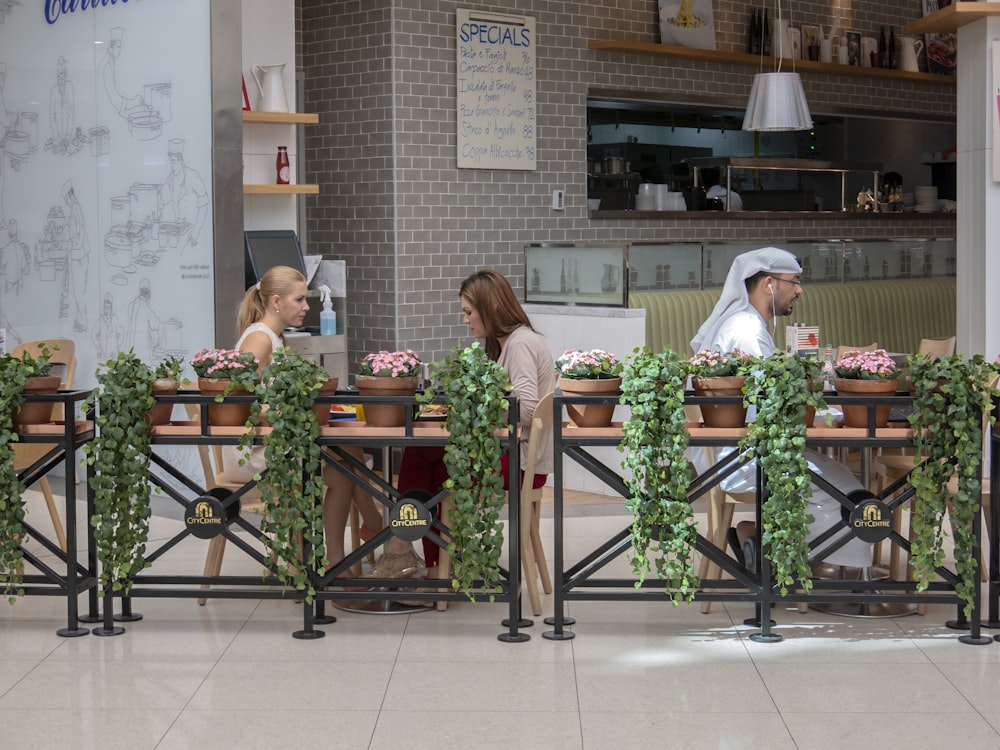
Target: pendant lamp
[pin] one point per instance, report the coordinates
(777, 100)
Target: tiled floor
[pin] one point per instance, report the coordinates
(637, 675)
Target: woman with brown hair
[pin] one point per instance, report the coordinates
(277, 301)
(492, 311)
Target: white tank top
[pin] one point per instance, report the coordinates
(276, 342)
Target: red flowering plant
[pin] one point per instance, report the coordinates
(385, 364)
(873, 365)
(594, 364)
(709, 363)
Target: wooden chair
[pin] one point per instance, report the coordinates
(533, 560)
(937, 347)
(890, 468)
(215, 477)
(62, 354)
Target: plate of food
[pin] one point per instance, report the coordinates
(343, 411)
(433, 411)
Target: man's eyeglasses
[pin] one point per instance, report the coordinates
(788, 281)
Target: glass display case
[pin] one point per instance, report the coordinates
(604, 274)
(576, 274)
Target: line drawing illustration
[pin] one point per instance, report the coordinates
(145, 331)
(146, 112)
(183, 199)
(76, 249)
(108, 334)
(15, 260)
(62, 114)
(6, 8)
(7, 123)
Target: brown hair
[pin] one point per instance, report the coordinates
(491, 295)
(278, 280)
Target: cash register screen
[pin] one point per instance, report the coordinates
(268, 248)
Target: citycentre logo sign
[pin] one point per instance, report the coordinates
(56, 8)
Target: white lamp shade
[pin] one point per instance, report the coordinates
(777, 102)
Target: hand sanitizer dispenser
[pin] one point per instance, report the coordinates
(327, 318)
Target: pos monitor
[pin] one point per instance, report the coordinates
(265, 249)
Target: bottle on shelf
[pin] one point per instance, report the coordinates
(327, 317)
(883, 49)
(765, 35)
(753, 35)
(281, 166)
(892, 48)
(828, 373)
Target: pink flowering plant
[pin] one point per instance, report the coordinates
(221, 364)
(709, 363)
(595, 364)
(384, 364)
(873, 365)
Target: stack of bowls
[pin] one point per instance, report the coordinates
(925, 199)
(645, 199)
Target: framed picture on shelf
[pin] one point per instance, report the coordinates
(687, 23)
(810, 41)
(853, 47)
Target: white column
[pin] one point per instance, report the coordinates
(978, 224)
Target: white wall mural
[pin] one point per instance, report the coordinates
(105, 178)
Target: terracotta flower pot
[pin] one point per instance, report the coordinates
(39, 412)
(721, 415)
(857, 415)
(322, 411)
(590, 415)
(224, 415)
(385, 415)
(160, 413)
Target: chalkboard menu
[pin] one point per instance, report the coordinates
(495, 91)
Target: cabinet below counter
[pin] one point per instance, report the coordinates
(907, 216)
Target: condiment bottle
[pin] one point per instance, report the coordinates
(327, 318)
(281, 165)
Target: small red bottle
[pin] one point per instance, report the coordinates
(281, 165)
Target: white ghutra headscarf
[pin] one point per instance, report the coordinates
(734, 296)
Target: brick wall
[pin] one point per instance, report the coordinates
(411, 226)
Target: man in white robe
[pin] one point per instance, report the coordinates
(761, 286)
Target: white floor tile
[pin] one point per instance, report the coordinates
(838, 688)
(85, 729)
(682, 731)
(248, 729)
(427, 729)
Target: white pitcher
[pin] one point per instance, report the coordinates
(909, 53)
(272, 87)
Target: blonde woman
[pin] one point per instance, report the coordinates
(277, 301)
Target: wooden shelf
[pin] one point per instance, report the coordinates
(741, 58)
(281, 118)
(281, 189)
(948, 20)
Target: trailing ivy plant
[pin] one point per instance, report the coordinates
(475, 389)
(119, 460)
(14, 374)
(658, 473)
(782, 387)
(951, 397)
(294, 508)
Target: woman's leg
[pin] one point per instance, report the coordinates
(341, 491)
(422, 468)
